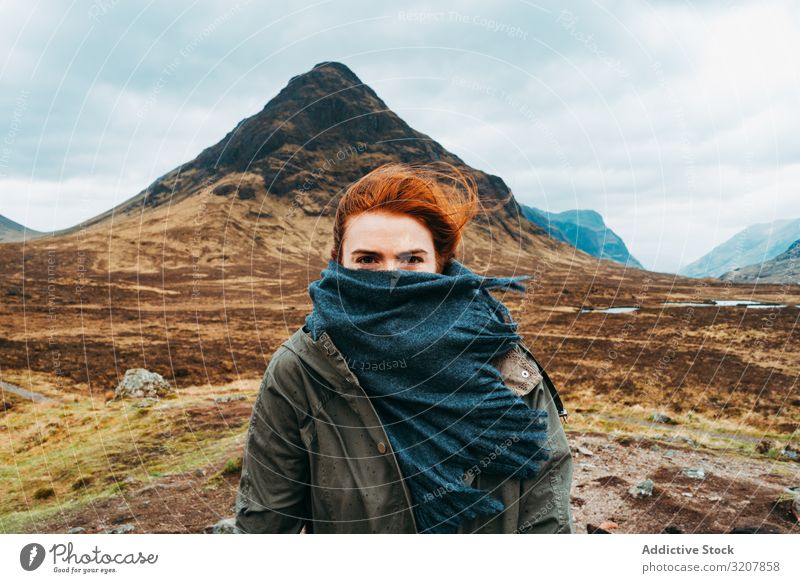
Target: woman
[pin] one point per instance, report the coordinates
(406, 403)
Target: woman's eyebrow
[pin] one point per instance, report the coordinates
(369, 252)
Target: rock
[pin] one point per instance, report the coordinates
(145, 403)
(608, 525)
(657, 417)
(584, 451)
(121, 529)
(139, 383)
(244, 192)
(787, 505)
(228, 398)
(642, 489)
(224, 526)
(626, 440)
(678, 438)
(592, 529)
(764, 446)
(151, 488)
(714, 498)
(694, 473)
(76, 530)
(199, 472)
(790, 452)
(762, 529)
(687, 494)
(224, 189)
(672, 530)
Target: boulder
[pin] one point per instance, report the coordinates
(658, 417)
(121, 529)
(642, 489)
(694, 473)
(796, 507)
(224, 526)
(140, 383)
(764, 446)
(229, 398)
(790, 452)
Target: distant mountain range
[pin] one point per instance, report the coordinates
(584, 229)
(13, 231)
(751, 246)
(784, 268)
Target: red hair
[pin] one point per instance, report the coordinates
(437, 194)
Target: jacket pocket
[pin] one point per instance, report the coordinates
(517, 372)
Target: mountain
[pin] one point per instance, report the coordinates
(266, 194)
(753, 245)
(272, 185)
(784, 268)
(13, 231)
(584, 229)
(324, 130)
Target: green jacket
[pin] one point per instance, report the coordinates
(316, 457)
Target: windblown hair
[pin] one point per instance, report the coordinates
(438, 194)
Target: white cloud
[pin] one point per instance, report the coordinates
(45, 205)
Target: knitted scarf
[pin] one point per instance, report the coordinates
(420, 345)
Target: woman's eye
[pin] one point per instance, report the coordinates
(417, 257)
(363, 259)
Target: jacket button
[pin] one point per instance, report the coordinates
(525, 374)
(381, 447)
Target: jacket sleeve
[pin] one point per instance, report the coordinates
(544, 504)
(273, 495)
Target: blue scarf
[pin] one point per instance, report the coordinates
(420, 345)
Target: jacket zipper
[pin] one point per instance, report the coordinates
(383, 431)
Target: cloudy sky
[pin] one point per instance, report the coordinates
(678, 122)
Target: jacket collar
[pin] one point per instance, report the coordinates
(326, 360)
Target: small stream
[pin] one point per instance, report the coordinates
(25, 393)
(708, 304)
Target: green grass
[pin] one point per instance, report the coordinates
(65, 456)
(708, 433)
